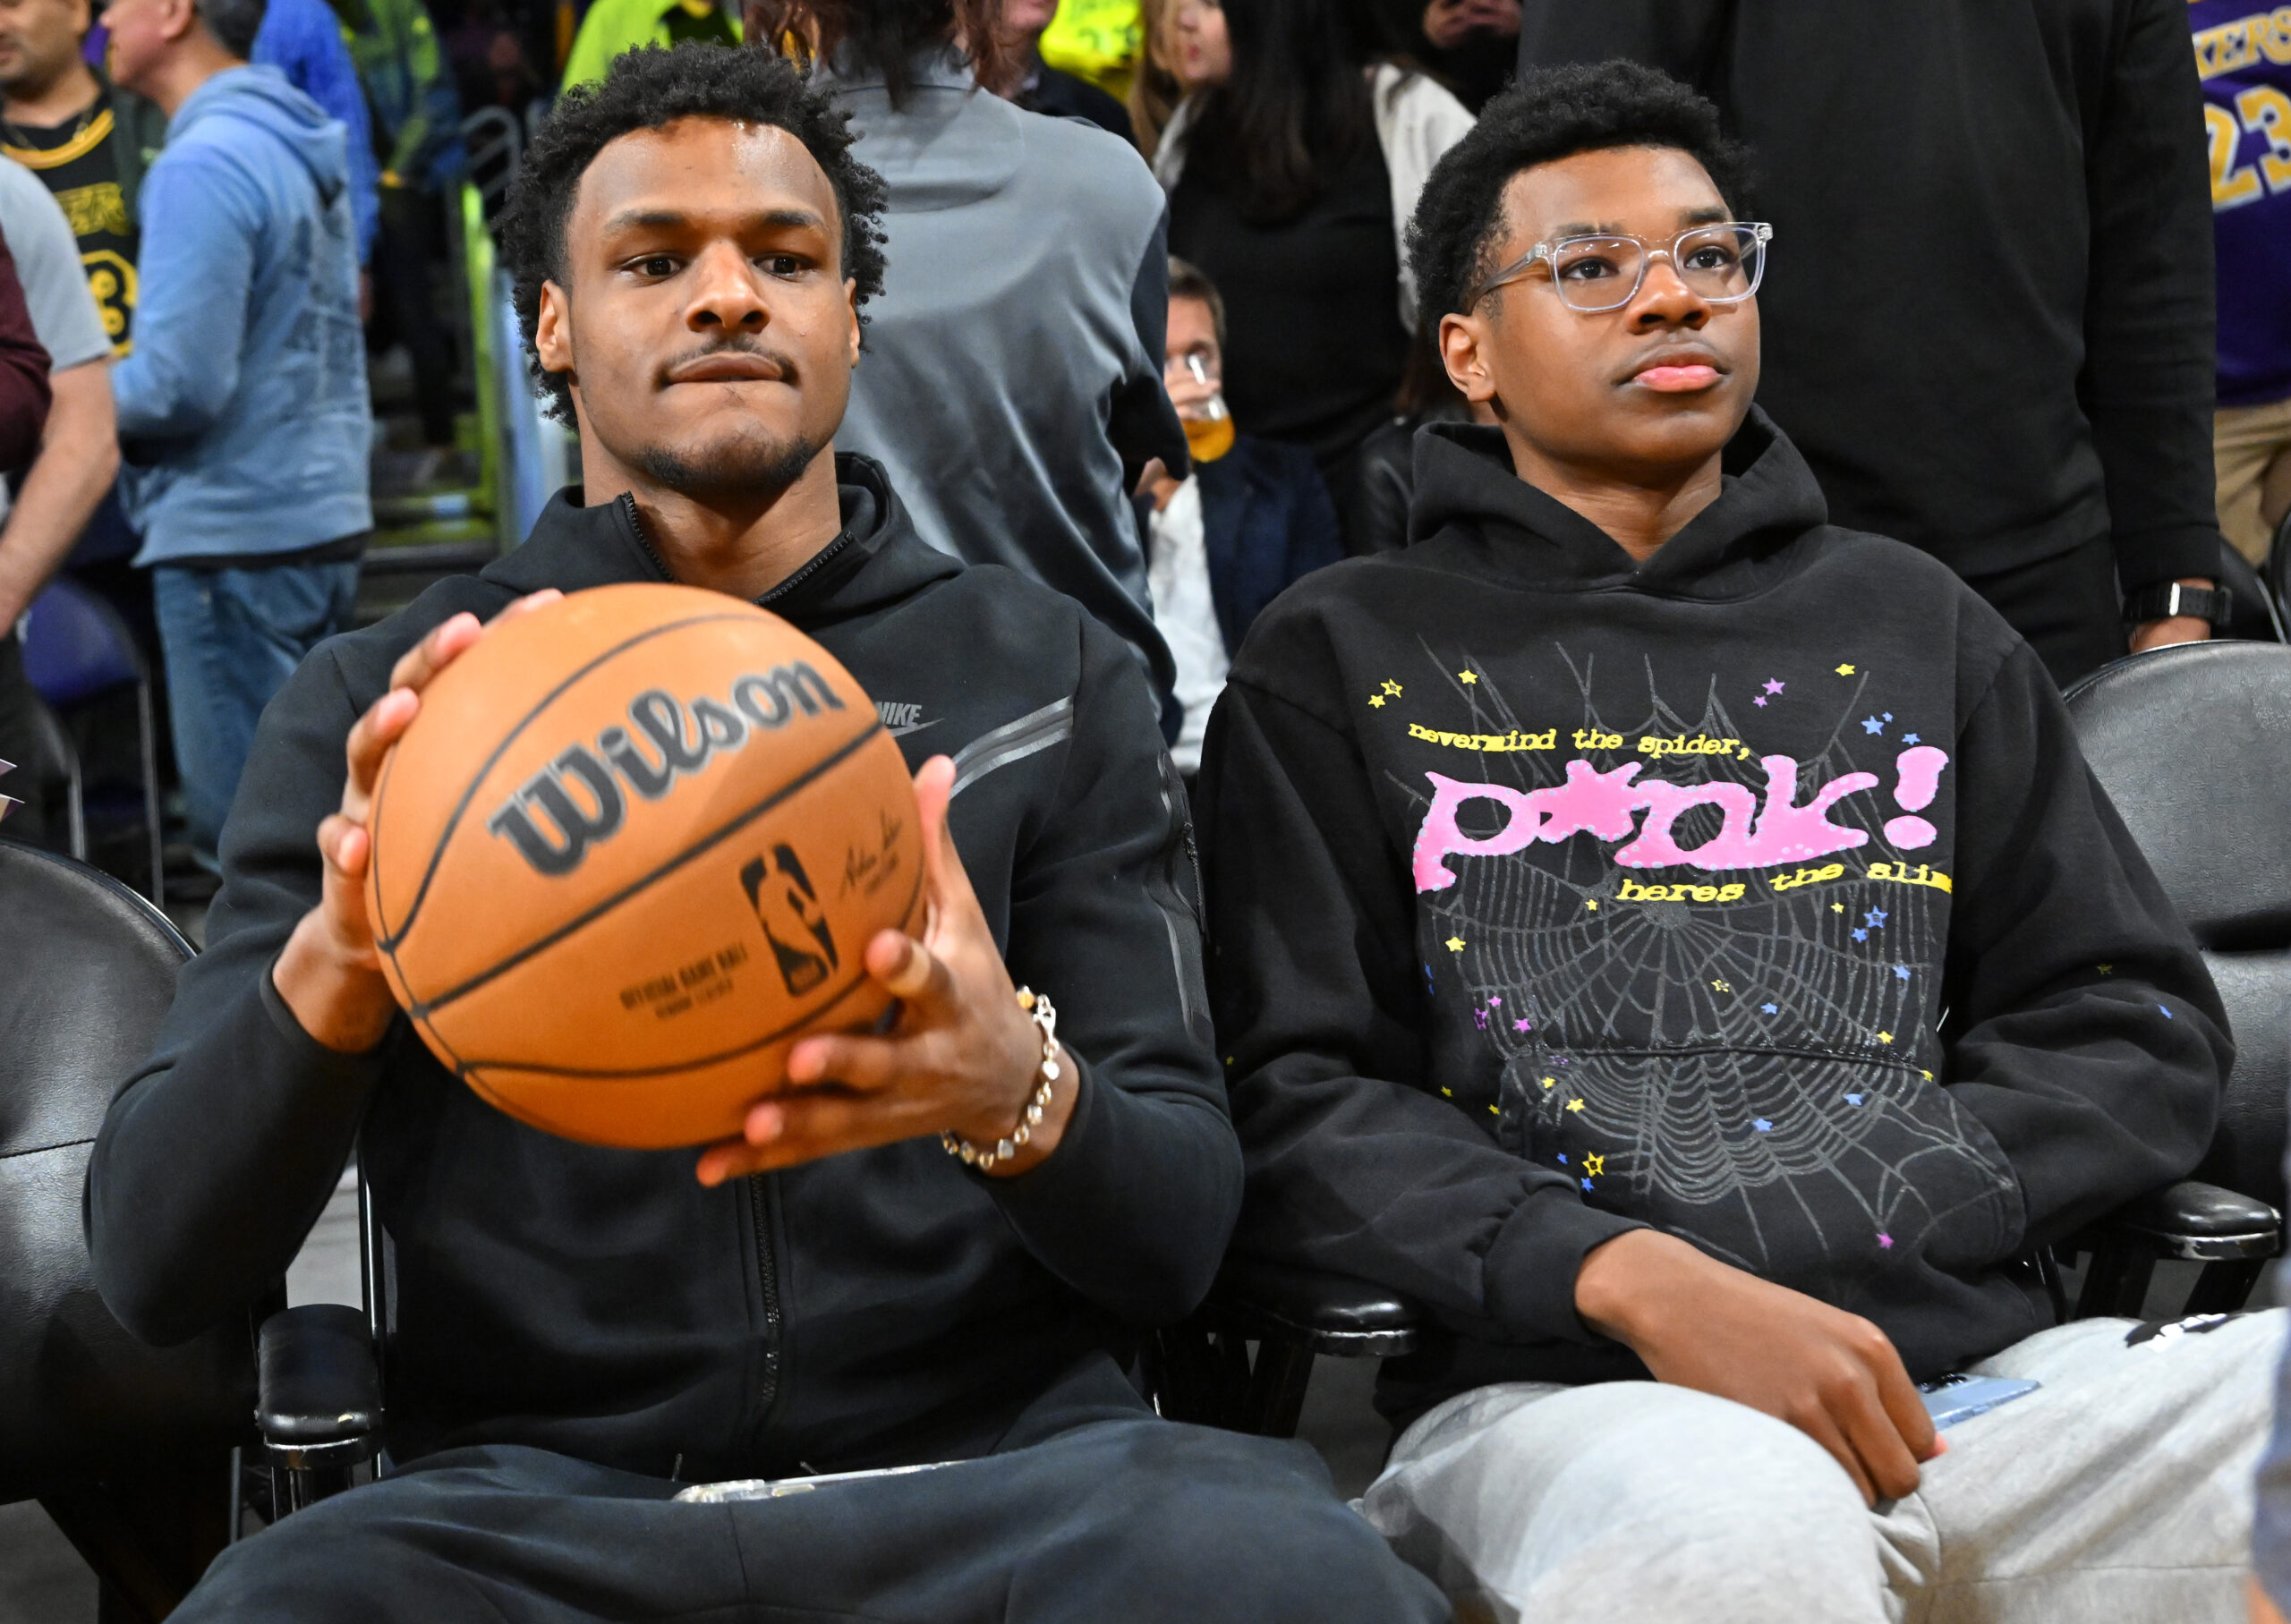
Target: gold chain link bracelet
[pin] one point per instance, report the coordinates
(1040, 1010)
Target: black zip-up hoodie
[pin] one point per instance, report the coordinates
(878, 1307)
(1757, 893)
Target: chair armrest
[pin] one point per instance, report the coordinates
(2198, 1221)
(317, 1386)
(1322, 1313)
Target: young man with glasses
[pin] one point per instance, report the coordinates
(1670, 936)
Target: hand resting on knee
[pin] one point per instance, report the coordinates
(1700, 1324)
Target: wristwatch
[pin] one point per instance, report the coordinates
(2170, 599)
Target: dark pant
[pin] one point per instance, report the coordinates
(1093, 1511)
(2067, 607)
(232, 637)
(403, 250)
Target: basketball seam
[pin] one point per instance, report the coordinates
(374, 845)
(639, 1075)
(425, 1007)
(468, 793)
(383, 944)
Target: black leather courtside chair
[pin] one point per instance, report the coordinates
(2278, 573)
(128, 1447)
(2193, 745)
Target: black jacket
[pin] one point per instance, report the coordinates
(142, 131)
(1552, 897)
(1061, 95)
(881, 1306)
(1988, 313)
(1266, 521)
(1384, 482)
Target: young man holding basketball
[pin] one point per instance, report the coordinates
(1668, 935)
(580, 1332)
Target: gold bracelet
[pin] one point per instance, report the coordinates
(1045, 1016)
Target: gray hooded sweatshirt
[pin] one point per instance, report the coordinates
(1012, 377)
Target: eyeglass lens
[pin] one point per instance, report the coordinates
(1721, 263)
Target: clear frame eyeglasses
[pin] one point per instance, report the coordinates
(1721, 264)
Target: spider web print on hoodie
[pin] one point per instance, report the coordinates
(1681, 1037)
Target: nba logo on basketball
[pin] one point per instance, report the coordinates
(788, 909)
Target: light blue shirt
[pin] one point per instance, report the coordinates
(242, 410)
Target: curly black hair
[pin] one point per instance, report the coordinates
(646, 88)
(1551, 113)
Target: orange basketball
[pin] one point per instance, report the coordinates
(631, 849)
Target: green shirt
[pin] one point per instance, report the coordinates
(614, 26)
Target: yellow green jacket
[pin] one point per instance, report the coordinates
(1095, 40)
(614, 26)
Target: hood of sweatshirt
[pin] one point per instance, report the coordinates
(262, 97)
(1466, 489)
(949, 145)
(875, 561)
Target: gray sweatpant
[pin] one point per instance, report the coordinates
(2119, 1491)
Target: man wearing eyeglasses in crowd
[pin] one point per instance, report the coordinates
(1668, 935)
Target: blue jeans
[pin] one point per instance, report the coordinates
(232, 637)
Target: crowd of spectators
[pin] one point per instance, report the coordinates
(1169, 307)
(2037, 411)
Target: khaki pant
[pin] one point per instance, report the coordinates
(2251, 452)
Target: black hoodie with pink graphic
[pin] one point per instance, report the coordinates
(1759, 893)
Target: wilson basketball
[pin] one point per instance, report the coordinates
(633, 847)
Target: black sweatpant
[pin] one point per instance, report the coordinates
(2067, 608)
(1093, 1511)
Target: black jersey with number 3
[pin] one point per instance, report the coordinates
(78, 161)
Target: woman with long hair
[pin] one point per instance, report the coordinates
(1154, 88)
(1292, 172)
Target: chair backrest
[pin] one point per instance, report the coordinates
(87, 969)
(2277, 570)
(2193, 746)
(52, 760)
(2253, 615)
(76, 645)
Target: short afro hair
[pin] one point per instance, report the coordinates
(648, 87)
(1548, 115)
